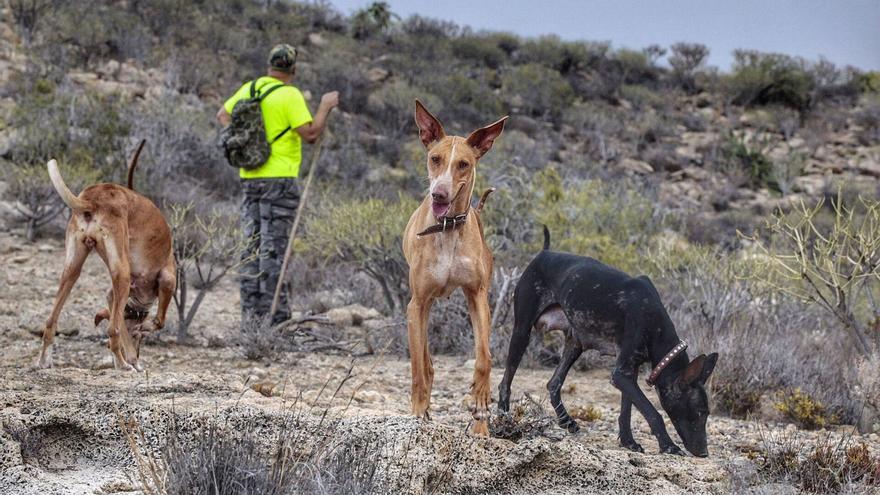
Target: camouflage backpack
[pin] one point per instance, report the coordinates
(244, 139)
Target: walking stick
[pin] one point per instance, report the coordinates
(315, 155)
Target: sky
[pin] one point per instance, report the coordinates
(846, 32)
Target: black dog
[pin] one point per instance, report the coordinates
(592, 302)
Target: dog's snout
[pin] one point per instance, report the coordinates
(440, 195)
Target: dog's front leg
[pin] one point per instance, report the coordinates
(624, 378)
(478, 305)
(420, 360)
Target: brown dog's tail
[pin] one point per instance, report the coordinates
(483, 198)
(67, 196)
(133, 163)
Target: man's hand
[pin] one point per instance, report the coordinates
(330, 100)
(312, 130)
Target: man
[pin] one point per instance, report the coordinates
(271, 193)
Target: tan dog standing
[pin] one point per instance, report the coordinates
(444, 246)
(132, 237)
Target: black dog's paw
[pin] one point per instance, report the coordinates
(672, 449)
(633, 445)
(572, 427)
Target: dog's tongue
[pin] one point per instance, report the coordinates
(439, 209)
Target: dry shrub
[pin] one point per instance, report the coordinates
(259, 340)
(366, 233)
(585, 413)
(804, 410)
(206, 248)
(526, 419)
(36, 201)
(759, 333)
(821, 467)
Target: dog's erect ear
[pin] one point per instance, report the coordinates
(708, 367)
(430, 129)
(482, 139)
(694, 370)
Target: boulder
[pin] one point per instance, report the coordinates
(636, 166)
(377, 74)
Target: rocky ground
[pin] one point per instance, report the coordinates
(61, 430)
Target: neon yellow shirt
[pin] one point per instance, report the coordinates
(282, 108)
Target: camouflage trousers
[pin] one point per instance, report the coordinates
(267, 210)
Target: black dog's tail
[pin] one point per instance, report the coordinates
(546, 238)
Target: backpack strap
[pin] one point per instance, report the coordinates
(261, 97)
(279, 135)
(269, 91)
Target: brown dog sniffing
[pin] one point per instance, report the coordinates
(444, 246)
(132, 237)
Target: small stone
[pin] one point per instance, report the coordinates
(369, 397)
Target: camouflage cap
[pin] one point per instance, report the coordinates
(282, 57)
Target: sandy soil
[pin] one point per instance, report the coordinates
(73, 406)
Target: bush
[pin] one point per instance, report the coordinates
(747, 163)
(536, 91)
(822, 467)
(79, 129)
(802, 409)
(206, 248)
(595, 218)
(767, 342)
(769, 78)
(367, 233)
(687, 59)
(479, 50)
(393, 104)
(36, 201)
(180, 145)
(868, 118)
(834, 267)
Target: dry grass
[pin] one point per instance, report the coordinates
(820, 467)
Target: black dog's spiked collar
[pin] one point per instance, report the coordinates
(655, 373)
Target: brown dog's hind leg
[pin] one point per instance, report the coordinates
(167, 285)
(115, 253)
(478, 306)
(77, 252)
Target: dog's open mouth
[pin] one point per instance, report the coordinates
(439, 209)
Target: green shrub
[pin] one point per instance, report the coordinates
(804, 410)
(479, 50)
(747, 163)
(536, 90)
(869, 82)
(769, 78)
(367, 233)
(687, 59)
(595, 218)
(634, 66)
(393, 105)
(640, 96)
